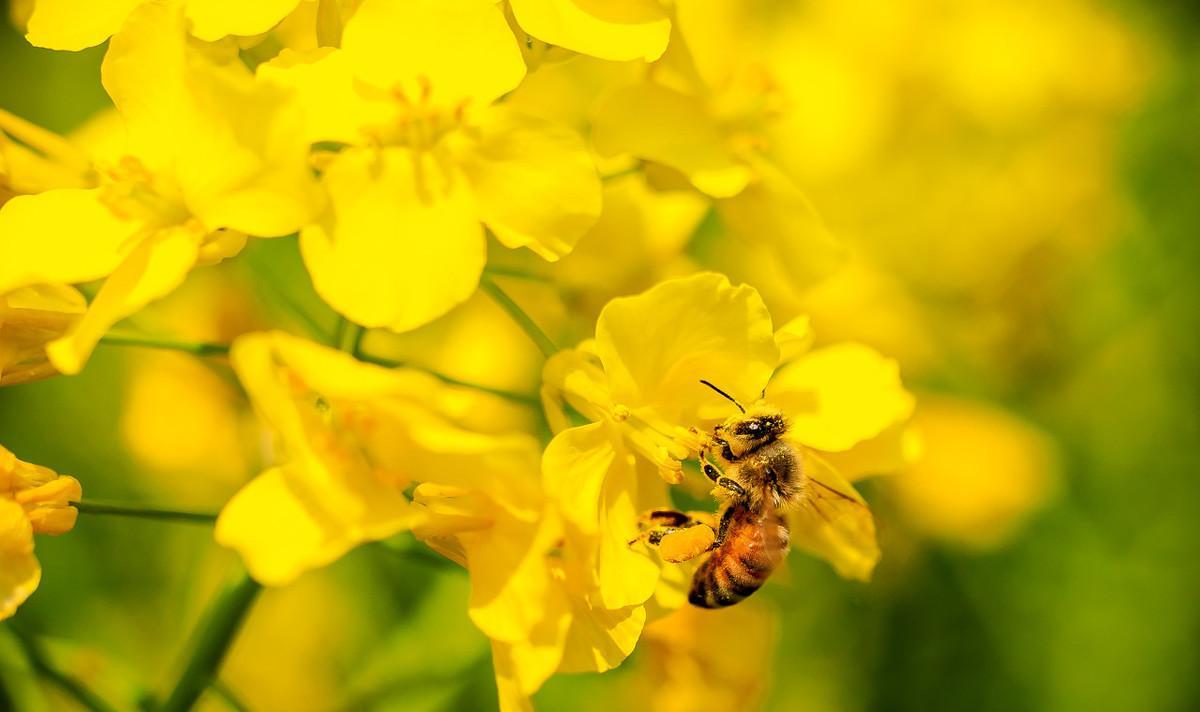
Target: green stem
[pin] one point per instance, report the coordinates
(514, 310)
(228, 697)
(155, 342)
(444, 378)
(74, 689)
(352, 338)
(211, 642)
(513, 272)
(123, 510)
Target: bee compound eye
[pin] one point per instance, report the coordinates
(753, 426)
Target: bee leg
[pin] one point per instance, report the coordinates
(657, 523)
(710, 470)
(732, 486)
(723, 529)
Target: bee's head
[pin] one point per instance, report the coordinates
(751, 428)
(758, 426)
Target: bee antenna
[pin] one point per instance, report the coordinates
(725, 395)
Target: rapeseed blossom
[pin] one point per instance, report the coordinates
(77, 24)
(202, 173)
(33, 500)
(638, 382)
(427, 159)
(352, 438)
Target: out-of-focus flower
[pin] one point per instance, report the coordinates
(31, 317)
(33, 159)
(690, 660)
(639, 382)
(702, 113)
(428, 155)
(211, 307)
(33, 500)
(210, 165)
(979, 473)
(618, 31)
(77, 24)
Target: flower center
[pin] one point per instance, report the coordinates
(420, 123)
(583, 387)
(132, 192)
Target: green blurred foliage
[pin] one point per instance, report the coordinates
(1096, 606)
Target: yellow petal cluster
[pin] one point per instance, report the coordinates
(33, 500)
(639, 382)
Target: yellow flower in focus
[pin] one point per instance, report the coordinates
(639, 382)
(617, 30)
(428, 160)
(981, 471)
(78, 24)
(210, 164)
(33, 500)
(31, 317)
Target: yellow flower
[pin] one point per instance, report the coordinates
(428, 159)
(33, 500)
(616, 30)
(639, 381)
(210, 164)
(979, 473)
(77, 24)
(352, 438)
(31, 317)
(699, 118)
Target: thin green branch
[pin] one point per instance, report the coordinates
(523, 320)
(228, 697)
(156, 342)
(514, 273)
(140, 512)
(212, 640)
(451, 380)
(351, 339)
(73, 688)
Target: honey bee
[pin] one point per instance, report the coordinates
(764, 477)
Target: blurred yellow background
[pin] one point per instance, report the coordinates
(1017, 185)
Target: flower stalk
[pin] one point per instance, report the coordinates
(213, 637)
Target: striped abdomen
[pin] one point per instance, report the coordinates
(755, 543)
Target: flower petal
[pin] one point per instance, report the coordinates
(834, 523)
(76, 24)
(235, 145)
(19, 570)
(534, 182)
(449, 50)
(323, 80)
(659, 124)
(658, 345)
(214, 19)
(772, 214)
(282, 524)
(397, 250)
(841, 395)
(616, 30)
(600, 639)
(512, 587)
(155, 268)
(595, 484)
(60, 237)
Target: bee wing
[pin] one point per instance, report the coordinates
(834, 522)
